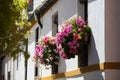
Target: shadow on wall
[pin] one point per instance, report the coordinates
(93, 58)
(62, 65)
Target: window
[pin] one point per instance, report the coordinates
(3, 77)
(54, 24)
(54, 31)
(36, 40)
(26, 49)
(17, 61)
(9, 77)
(37, 34)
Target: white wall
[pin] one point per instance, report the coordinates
(10, 65)
(31, 51)
(96, 20)
(66, 9)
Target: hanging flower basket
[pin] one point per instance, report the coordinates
(74, 35)
(46, 52)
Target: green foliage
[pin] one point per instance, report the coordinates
(13, 27)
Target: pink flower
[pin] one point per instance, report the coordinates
(80, 21)
(64, 55)
(60, 40)
(84, 26)
(67, 30)
(46, 40)
(73, 44)
(79, 29)
(76, 37)
(64, 24)
(52, 40)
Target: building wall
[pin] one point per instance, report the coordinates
(96, 20)
(99, 47)
(10, 65)
(112, 37)
(62, 7)
(96, 75)
(31, 50)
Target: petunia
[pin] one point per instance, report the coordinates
(64, 55)
(80, 21)
(79, 29)
(73, 44)
(76, 37)
(52, 40)
(46, 40)
(67, 30)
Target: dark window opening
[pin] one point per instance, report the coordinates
(9, 76)
(17, 61)
(54, 31)
(37, 35)
(36, 40)
(36, 71)
(54, 24)
(3, 77)
(27, 62)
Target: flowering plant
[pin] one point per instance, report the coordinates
(75, 33)
(46, 52)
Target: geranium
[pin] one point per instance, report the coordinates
(46, 52)
(75, 34)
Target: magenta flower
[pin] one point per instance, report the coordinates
(73, 44)
(67, 30)
(46, 52)
(80, 21)
(46, 40)
(39, 51)
(72, 37)
(64, 55)
(59, 38)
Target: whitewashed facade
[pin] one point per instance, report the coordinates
(103, 18)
